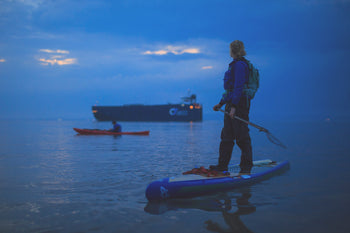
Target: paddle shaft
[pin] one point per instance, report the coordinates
(272, 138)
(247, 122)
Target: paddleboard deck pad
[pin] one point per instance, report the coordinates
(192, 185)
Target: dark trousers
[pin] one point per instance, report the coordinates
(236, 131)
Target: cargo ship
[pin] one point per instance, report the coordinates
(188, 110)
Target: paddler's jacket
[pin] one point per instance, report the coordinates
(235, 78)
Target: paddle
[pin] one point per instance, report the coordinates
(269, 135)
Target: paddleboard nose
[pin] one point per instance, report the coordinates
(158, 190)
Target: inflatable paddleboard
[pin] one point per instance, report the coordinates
(106, 132)
(192, 185)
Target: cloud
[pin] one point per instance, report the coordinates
(56, 57)
(177, 50)
(67, 61)
(2, 60)
(31, 3)
(54, 51)
(207, 67)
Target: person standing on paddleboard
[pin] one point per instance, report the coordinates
(237, 104)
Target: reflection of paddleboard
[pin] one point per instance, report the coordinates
(232, 202)
(192, 185)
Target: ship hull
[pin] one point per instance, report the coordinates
(156, 113)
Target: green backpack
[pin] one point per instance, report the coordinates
(251, 87)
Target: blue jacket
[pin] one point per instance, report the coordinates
(117, 128)
(235, 78)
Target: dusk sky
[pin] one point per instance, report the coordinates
(57, 58)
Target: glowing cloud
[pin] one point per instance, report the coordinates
(54, 51)
(67, 61)
(2, 60)
(207, 67)
(177, 50)
(159, 52)
(56, 57)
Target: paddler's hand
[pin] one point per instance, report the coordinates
(217, 107)
(232, 112)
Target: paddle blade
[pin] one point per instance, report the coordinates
(275, 140)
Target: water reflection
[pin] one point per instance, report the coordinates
(97, 135)
(231, 204)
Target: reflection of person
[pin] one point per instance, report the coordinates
(116, 127)
(233, 219)
(237, 103)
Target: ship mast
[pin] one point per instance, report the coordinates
(191, 99)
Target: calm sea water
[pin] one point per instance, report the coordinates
(53, 180)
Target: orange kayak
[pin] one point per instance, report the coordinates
(106, 132)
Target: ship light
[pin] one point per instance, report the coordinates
(94, 111)
(197, 106)
(191, 106)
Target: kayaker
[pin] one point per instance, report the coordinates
(237, 103)
(116, 127)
